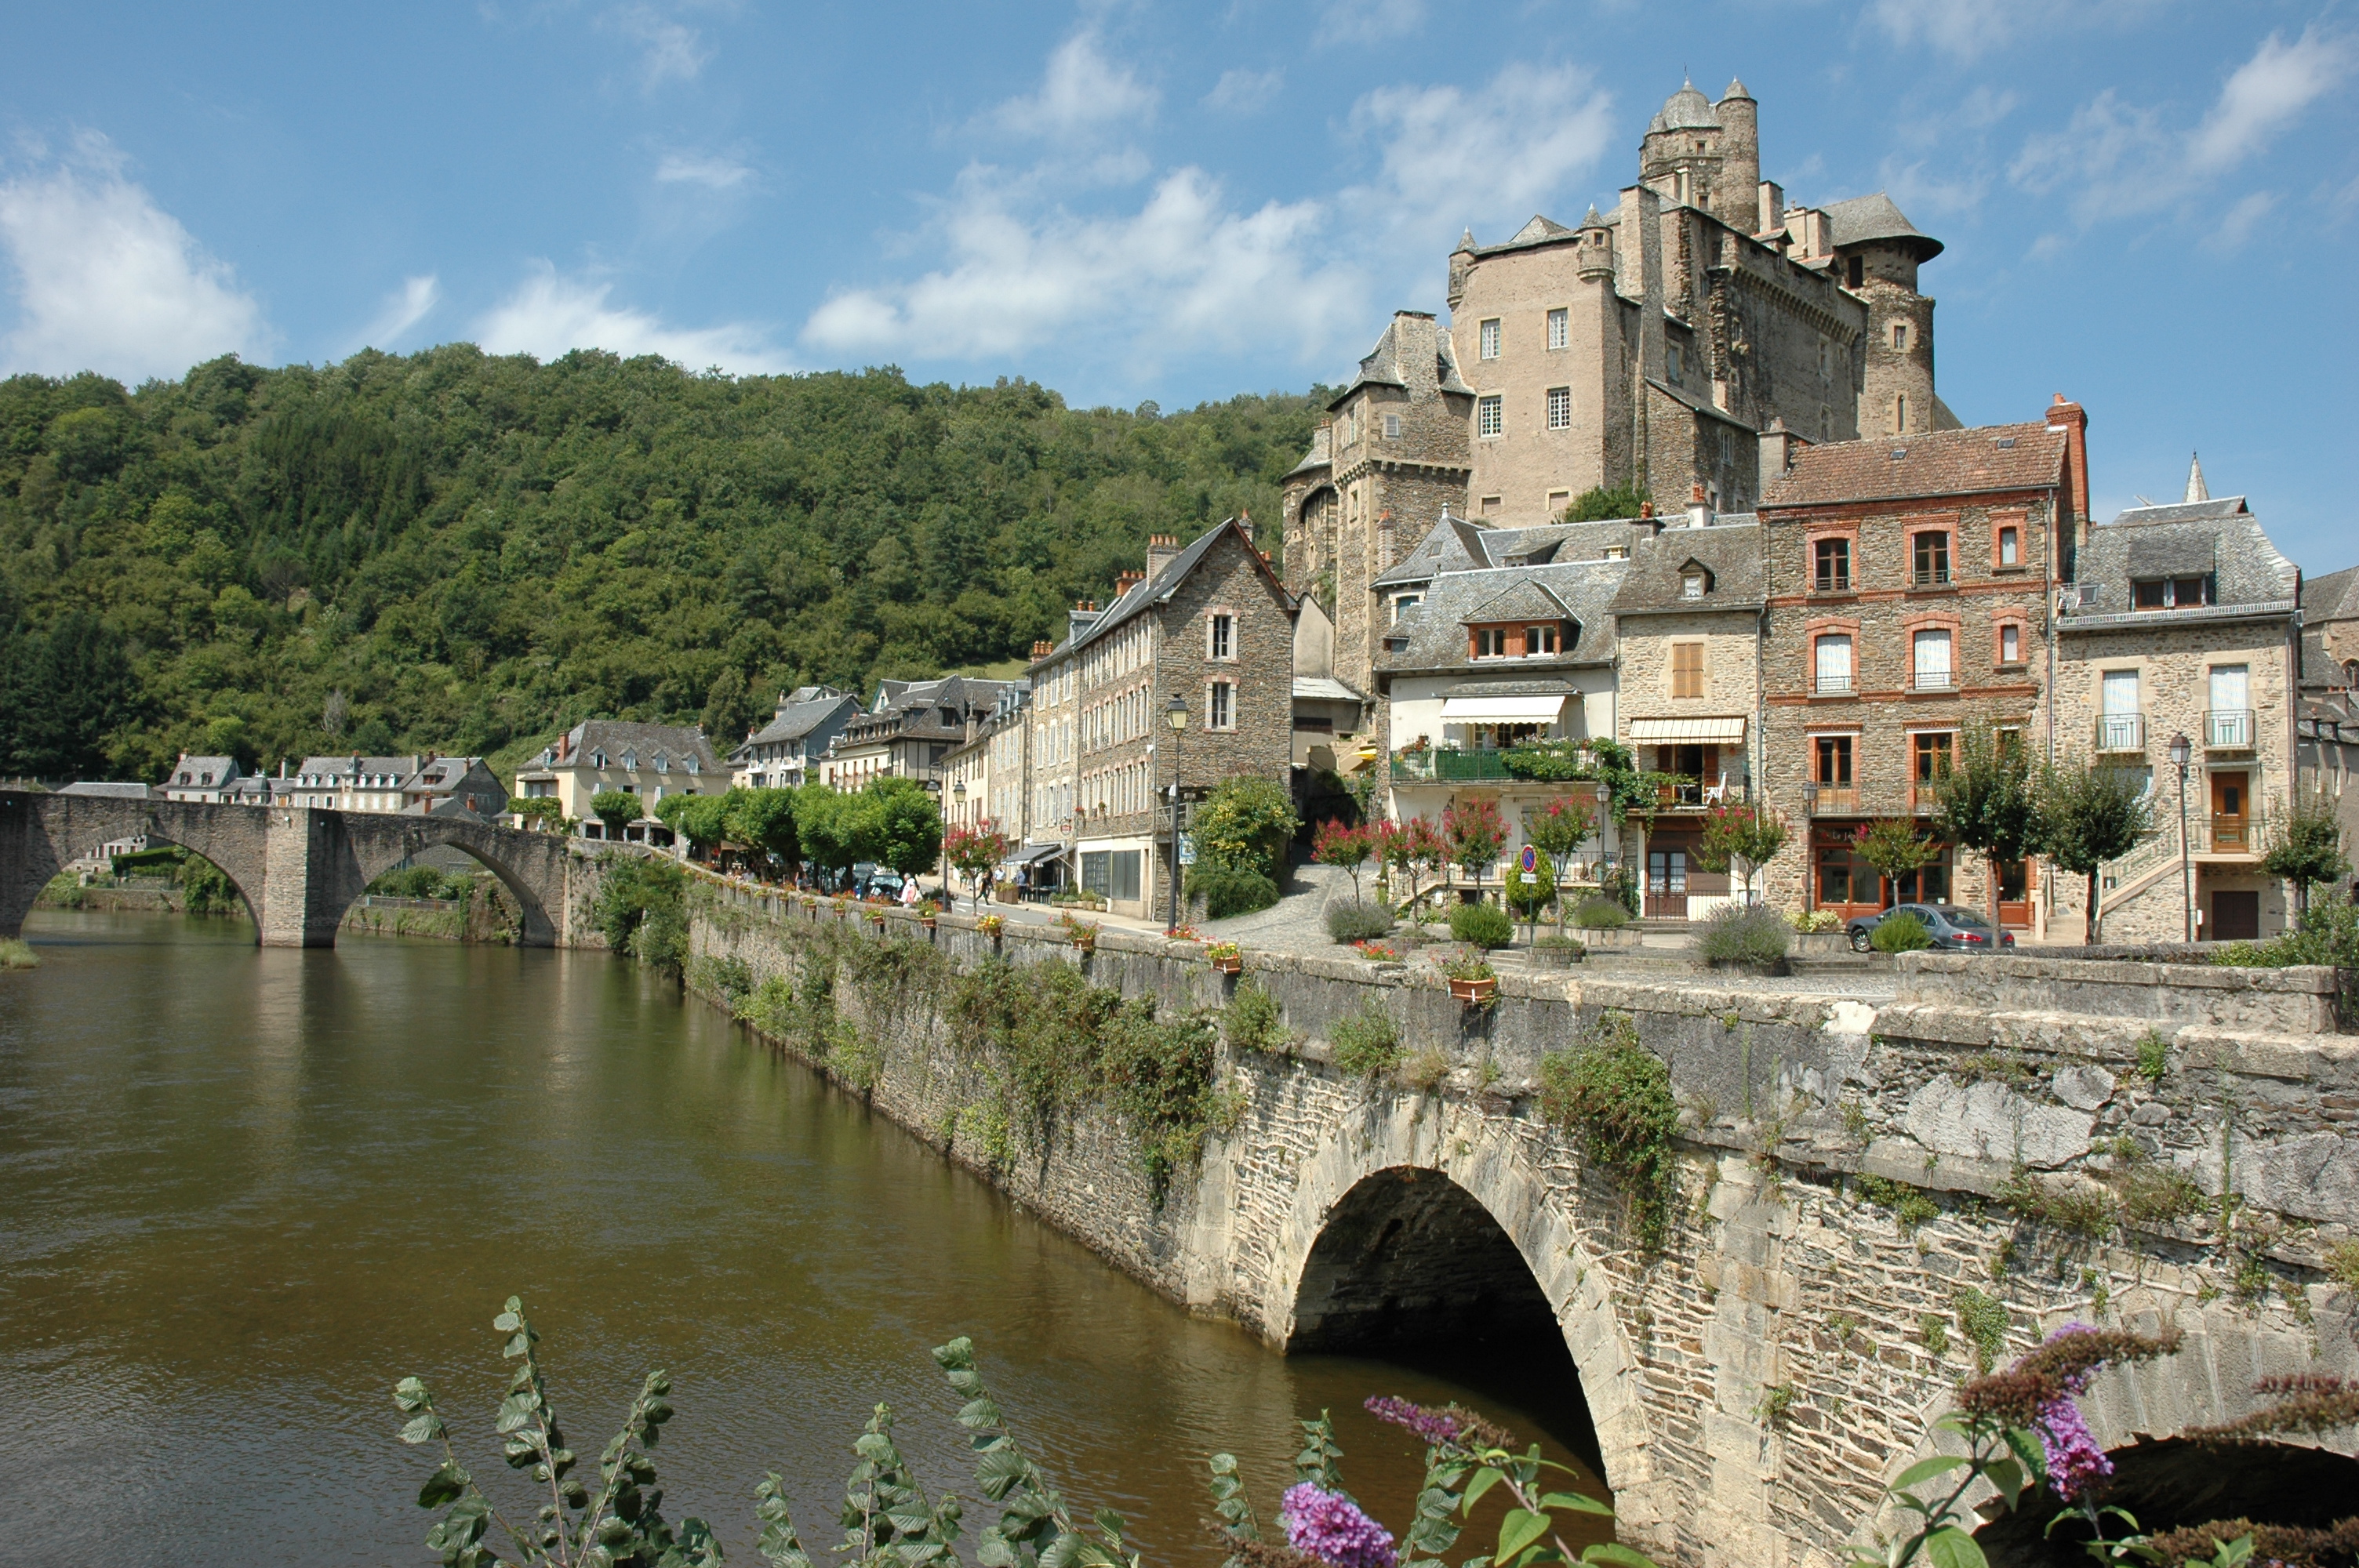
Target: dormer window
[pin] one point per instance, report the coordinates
(689, 763)
(1491, 642)
(630, 762)
(1539, 641)
(2171, 593)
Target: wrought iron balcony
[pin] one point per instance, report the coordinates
(2228, 729)
(1830, 800)
(1449, 764)
(1833, 685)
(1693, 796)
(2121, 732)
(1935, 680)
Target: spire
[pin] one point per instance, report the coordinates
(2195, 487)
(1466, 240)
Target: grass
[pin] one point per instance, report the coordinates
(1910, 1207)
(17, 954)
(1366, 1044)
(1982, 1319)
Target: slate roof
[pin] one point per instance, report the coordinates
(188, 770)
(2219, 536)
(1540, 231)
(1730, 550)
(1525, 601)
(2335, 597)
(616, 736)
(1435, 630)
(1686, 110)
(800, 715)
(1321, 454)
(1388, 364)
(1987, 458)
(1159, 587)
(1866, 218)
(347, 766)
(109, 789)
(1458, 543)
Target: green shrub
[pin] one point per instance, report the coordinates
(1425, 1071)
(1983, 1321)
(1482, 924)
(1230, 889)
(1900, 934)
(1357, 922)
(2159, 1195)
(17, 954)
(1601, 914)
(1617, 1095)
(1815, 920)
(1570, 946)
(418, 881)
(1737, 933)
(206, 889)
(1910, 1207)
(1252, 1022)
(2153, 1056)
(1365, 1045)
(641, 909)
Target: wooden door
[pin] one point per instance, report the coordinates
(2231, 815)
(2235, 916)
(2018, 880)
(1666, 882)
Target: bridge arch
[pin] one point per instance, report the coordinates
(40, 835)
(1414, 1214)
(376, 852)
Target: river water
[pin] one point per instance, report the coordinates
(243, 1191)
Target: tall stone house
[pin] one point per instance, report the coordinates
(1909, 584)
(348, 783)
(907, 731)
(1208, 625)
(650, 760)
(984, 780)
(782, 753)
(1652, 348)
(2326, 726)
(2184, 619)
(1688, 630)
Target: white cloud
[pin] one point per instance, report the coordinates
(710, 170)
(2238, 224)
(1242, 92)
(404, 308)
(2119, 159)
(1368, 21)
(1081, 91)
(669, 50)
(1967, 29)
(1501, 153)
(106, 280)
(550, 314)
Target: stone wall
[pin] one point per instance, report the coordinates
(1850, 1180)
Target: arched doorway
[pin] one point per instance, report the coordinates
(2171, 1483)
(1410, 1267)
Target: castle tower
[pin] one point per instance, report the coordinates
(1737, 199)
(1877, 251)
(1682, 153)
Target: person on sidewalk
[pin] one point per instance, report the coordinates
(908, 892)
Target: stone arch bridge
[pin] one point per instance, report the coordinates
(298, 869)
(1748, 1391)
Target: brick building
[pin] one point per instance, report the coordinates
(2184, 619)
(1909, 585)
(1209, 625)
(1688, 630)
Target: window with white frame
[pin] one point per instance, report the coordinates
(1833, 667)
(1488, 336)
(1221, 634)
(1221, 706)
(1559, 328)
(1539, 641)
(1929, 652)
(1559, 408)
(1490, 419)
(1392, 426)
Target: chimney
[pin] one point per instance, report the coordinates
(1698, 507)
(1125, 581)
(1041, 649)
(1244, 521)
(1779, 446)
(2073, 420)
(1161, 548)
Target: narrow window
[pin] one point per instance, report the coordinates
(1930, 652)
(1392, 426)
(1560, 328)
(1900, 415)
(1490, 420)
(1826, 359)
(1539, 640)
(1559, 408)
(1854, 272)
(1686, 669)
(1832, 674)
(1490, 339)
(1834, 563)
(1932, 560)
(1224, 637)
(1219, 712)
(1671, 363)
(2010, 546)
(2010, 643)
(1899, 336)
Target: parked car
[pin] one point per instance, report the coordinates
(1954, 929)
(876, 882)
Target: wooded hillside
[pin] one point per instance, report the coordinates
(463, 552)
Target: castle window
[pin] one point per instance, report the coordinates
(1855, 272)
(1826, 359)
(1488, 337)
(1900, 415)
(1899, 335)
(1392, 426)
(1560, 328)
(1559, 408)
(1490, 419)
(1671, 365)
(1557, 500)
(1833, 564)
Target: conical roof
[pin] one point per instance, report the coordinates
(2196, 489)
(1685, 110)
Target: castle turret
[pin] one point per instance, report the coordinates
(1736, 196)
(1680, 154)
(1462, 262)
(1876, 253)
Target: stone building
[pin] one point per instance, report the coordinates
(204, 781)
(780, 754)
(650, 760)
(348, 783)
(1909, 584)
(464, 787)
(985, 780)
(1210, 627)
(1650, 348)
(2184, 619)
(907, 731)
(1687, 692)
(2326, 725)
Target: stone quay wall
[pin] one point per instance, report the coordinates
(1870, 1201)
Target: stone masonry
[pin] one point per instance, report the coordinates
(1754, 1385)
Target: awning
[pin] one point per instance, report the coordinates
(1031, 854)
(1656, 731)
(1503, 710)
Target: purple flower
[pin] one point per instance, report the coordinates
(1437, 1427)
(1331, 1527)
(2074, 1460)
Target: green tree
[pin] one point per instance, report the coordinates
(617, 809)
(2305, 845)
(1988, 801)
(1752, 835)
(763, 819)
(829, 825)
(62, 695)
(901, 826)
(1557, 830)
(1599, 505)
(1246, 823)
(2089, 815)
(701, 819)
(729, 710)
(1475, 834)
(1894, 847)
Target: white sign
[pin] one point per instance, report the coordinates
(1187, 849)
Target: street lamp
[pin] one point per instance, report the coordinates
(2181, 749)
(1177, 717)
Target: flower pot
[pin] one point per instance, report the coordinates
(1233, 964)
(1474, 990)
(927, 921)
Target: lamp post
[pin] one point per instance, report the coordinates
(1177, 717)
(2181, 748)
(958, 819)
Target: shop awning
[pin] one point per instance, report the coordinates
(1504, 709)
(1660, 731)
(1032, 854)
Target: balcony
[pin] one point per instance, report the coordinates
(1693, 795)
(1933, 577)
(1447, 764)
(2228, 729)
(1830, 800)
(1833, 685)
(1935, 680)
(2121, 732)
(2231, 835)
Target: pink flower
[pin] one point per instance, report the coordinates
(1331, 1527)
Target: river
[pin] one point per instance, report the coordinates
(244, 1190)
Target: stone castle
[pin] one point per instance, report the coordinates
(1657, 348)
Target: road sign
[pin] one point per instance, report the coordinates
(1532, 859)
(1187, 849)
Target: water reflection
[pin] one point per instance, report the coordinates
(245, 1189)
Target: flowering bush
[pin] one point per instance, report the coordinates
(1336, 844)
(1376, 952)
(992, 924)
(1331, 1527)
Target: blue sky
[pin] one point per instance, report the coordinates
(2148, 204)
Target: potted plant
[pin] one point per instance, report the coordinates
(1471, 978)
(1226, 958)
(928, 912)
(1083, 932)
(991, 926)
(842, 907)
